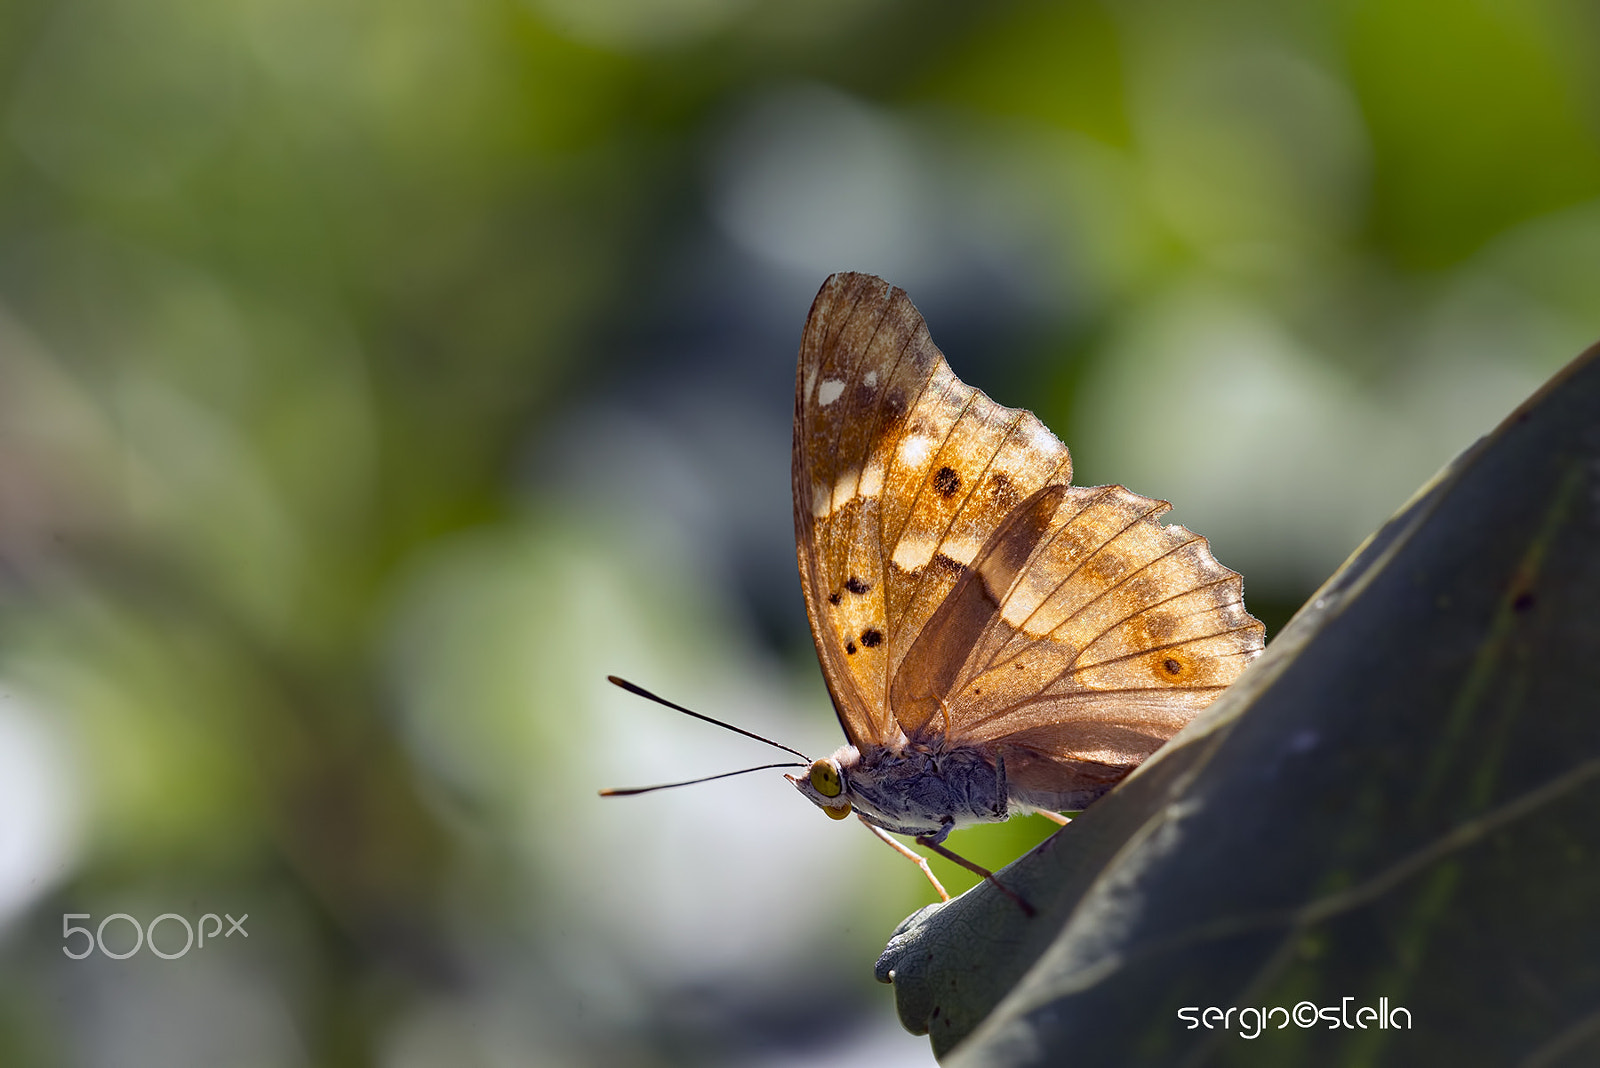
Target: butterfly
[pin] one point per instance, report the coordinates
(995, 640)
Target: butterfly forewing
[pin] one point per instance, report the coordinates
(861, 367)
(901, 472)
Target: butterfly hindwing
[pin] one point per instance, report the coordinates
(1112, 636)
(1114, 610)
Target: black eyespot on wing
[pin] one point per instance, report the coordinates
(946, 481)
(871, 637)
(850, 647)
(856, 586)
(1172, 666)
(833, 598)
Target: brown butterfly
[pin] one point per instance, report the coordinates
(995, 640)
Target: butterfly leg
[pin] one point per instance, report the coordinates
(1054, 817)
(910, 854)
(931, 841)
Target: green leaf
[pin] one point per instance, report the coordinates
(1400, 799)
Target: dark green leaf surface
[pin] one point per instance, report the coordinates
(1400, 800)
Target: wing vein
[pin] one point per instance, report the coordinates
(1046, 692)
(995, 664)
(1098, 549)
(1079, 668)
(1043, 547)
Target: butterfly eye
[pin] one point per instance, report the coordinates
(825, 781)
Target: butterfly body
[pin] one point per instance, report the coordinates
(915, 790)
(995, 640)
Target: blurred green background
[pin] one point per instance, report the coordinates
(375, 377)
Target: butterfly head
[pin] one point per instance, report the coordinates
(826, 783)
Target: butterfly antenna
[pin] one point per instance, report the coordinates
(648, 696)
(630, 790)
